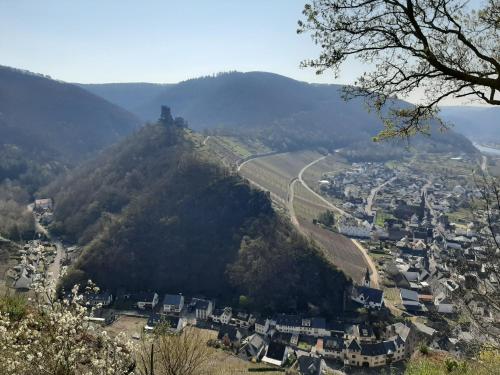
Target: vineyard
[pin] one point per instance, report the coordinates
(275, 174)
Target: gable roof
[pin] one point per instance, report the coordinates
(379, 348)
(200, 304)
(371, 294)
(309, 365)
(409, 295)
(172, 299)
(333, 343)
(155, 319)
(276, 351)
(354, 346)
(230, 331)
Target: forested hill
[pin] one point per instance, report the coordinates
(283, 113)
(155, 212)
(57, 119)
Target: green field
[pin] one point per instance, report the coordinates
(382, 217)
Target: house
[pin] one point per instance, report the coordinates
(354, 230)
(145, 300)
(229, 335)
(43, 205)
(423, 333)
(306, 326)
(173, 324)
(103, 299)
(262, 325)
(202, 308)
(243, 319)
(173, 303)
(409, 295)
(370, 298)
(333, 347)
(222, 316)
(446, 308)
(366, 333)
(310, 365)
(375, 354)
(276, 354)
(255, 347)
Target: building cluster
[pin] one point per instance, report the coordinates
(352, 187)
(33, 259)
(281, 340)
(432, 252)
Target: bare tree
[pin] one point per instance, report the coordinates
(174, 354)
(442, 47)
(484, 290)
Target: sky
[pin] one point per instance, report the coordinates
(165, 41)
(162, 41)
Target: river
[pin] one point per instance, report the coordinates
(486, 149)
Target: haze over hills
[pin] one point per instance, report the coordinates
(63, 120)
(477, 123)
(284, 113)
(157, 212)
(127, 95)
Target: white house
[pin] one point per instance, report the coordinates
(173, 303)
(202, 308)
(368, 297)
(222, 316)
(262, 326)
(147, 300)
(301, 326)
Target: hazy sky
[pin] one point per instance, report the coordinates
(164, 41)
(156, 41)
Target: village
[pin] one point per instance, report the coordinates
(429, 243)
(409, 225)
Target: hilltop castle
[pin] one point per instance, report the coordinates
(166, 118)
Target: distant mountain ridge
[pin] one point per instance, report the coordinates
(284, 113)
(130, 96)
(64, 120)
(476, 123)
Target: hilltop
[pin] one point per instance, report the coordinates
(157, 212)
(57, 120)
(283, 113)
(47, 126)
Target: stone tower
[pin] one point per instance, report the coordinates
(166, 116)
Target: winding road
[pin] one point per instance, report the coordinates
(341, 253)
(371, 265)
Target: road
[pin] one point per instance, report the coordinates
(54, 270)
(484, 164)
(342, 253)
(373, 193)
(243, 161)
(328, 203)
(373, 270)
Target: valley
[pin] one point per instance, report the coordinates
(259, 231)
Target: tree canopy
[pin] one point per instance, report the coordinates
(444, 48)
